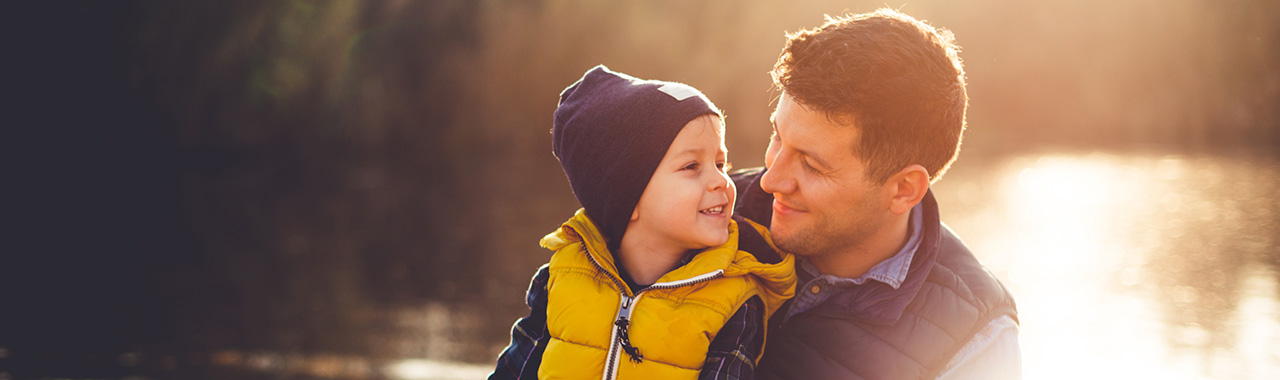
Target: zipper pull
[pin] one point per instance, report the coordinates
(624, 337)
(632, 351)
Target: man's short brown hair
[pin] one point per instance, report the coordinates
(899, 80)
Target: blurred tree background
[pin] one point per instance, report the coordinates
(281, 174)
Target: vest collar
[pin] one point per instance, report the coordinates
(880, 304)
(724, 257)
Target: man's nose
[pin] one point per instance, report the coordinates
(777, 178)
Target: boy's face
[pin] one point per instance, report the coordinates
(689, 199)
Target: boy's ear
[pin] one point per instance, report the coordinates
(906, 188)
(634, 214)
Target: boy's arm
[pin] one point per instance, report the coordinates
(529, 335)
(733, 352)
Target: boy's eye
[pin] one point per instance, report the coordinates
(690, 166)
(724, 166)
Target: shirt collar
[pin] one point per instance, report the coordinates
(891, 271)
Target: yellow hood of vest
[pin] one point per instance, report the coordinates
(777, 281)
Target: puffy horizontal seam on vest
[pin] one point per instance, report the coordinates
(973, 299)
(958, 279)
(940, 326)
(983, 305)
(705, 303)
(589, 272)
(578, 343)
(573, 269)
(936, 324)
(647, 358)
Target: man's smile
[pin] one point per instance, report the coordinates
(780, 207)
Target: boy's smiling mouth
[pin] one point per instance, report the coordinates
(717, 210)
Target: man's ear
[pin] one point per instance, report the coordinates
(906, 188)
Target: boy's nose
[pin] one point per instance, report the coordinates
(718, 181)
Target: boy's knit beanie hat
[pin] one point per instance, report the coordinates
(611, 131)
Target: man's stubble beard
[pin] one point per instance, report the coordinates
(825, 237)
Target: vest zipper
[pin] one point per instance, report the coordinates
(619, 337)
(611, 364)
(688, 281)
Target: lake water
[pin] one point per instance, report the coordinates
(1123, 266)
(1131, 266)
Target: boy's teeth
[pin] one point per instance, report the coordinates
(713, 210)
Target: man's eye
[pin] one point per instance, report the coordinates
(809, 168)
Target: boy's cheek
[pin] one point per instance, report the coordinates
(733, 198)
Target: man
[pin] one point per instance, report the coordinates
(871, 112)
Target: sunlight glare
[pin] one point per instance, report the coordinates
(1060, 224)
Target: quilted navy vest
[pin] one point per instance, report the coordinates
(873, 331)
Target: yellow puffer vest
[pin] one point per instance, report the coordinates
(672, 322)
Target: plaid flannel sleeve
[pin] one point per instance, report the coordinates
(529, 335)
(732, 355)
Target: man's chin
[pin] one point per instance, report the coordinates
(784, 237)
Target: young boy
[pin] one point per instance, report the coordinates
(652, 278)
